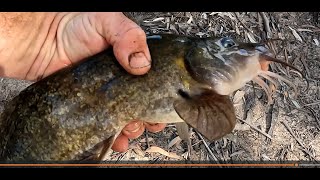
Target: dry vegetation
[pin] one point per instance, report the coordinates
(287, 130)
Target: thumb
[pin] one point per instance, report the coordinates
(129, 44)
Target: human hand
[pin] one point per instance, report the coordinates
(132, 131)
(35, 45)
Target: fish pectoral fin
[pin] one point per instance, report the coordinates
(209, 113)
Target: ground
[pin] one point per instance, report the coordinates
(285, 130)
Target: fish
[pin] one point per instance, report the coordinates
(76, 113)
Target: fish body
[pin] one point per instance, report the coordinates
(70, 113)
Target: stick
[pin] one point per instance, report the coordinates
(254, 128)
(311, 104)
(314, 115)
(147, 138)
(208, 149)
(302, 59)
(266, 23)
(245, 26)
(270, 119)
(287, 61)
(297, 139)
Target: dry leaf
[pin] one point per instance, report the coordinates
(224, 143)
(237, 30)
(264, 156)
(295, 34)
(251, 38)
(306, 30)
(145, 140)
(308, 26)
(174, 141)
(158, 19)
(213, 13)
(155, 149)
(231, 16)
(242, 127)
(185, 155)
(316, 42)
(236, 153)
(238, 96)
(167, 22)
(138, 152)
(201, 34)
(172, 27)
(221, 30)
(204, 16)
(295, 103)
(222, 14)
(273, 88)
(155, 20)
(190, 20)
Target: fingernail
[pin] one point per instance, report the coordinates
(138, 60)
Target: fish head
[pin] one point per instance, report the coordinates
(223, 64)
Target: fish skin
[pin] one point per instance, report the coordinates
(65, 115)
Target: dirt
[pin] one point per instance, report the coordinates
(291, 123)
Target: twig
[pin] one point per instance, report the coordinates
(314, 115)
(311, 104)
(302, 59)
(147, 138)
(266, 24)
(308, 109)
(245, 26)
(256, 87)
(254, 128)
(287, 61)
(283, 152)
(121, 156)
(249, 102)
(297, 139)
(208, 149)
(270, 119)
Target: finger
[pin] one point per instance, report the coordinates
(129, 43)
(132, 51)
(134, 129)
(154, 128)
(121, 143)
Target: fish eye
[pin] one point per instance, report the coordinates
(227, 42)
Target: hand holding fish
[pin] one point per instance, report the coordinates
(40, 44)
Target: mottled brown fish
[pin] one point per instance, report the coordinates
(77, 112)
